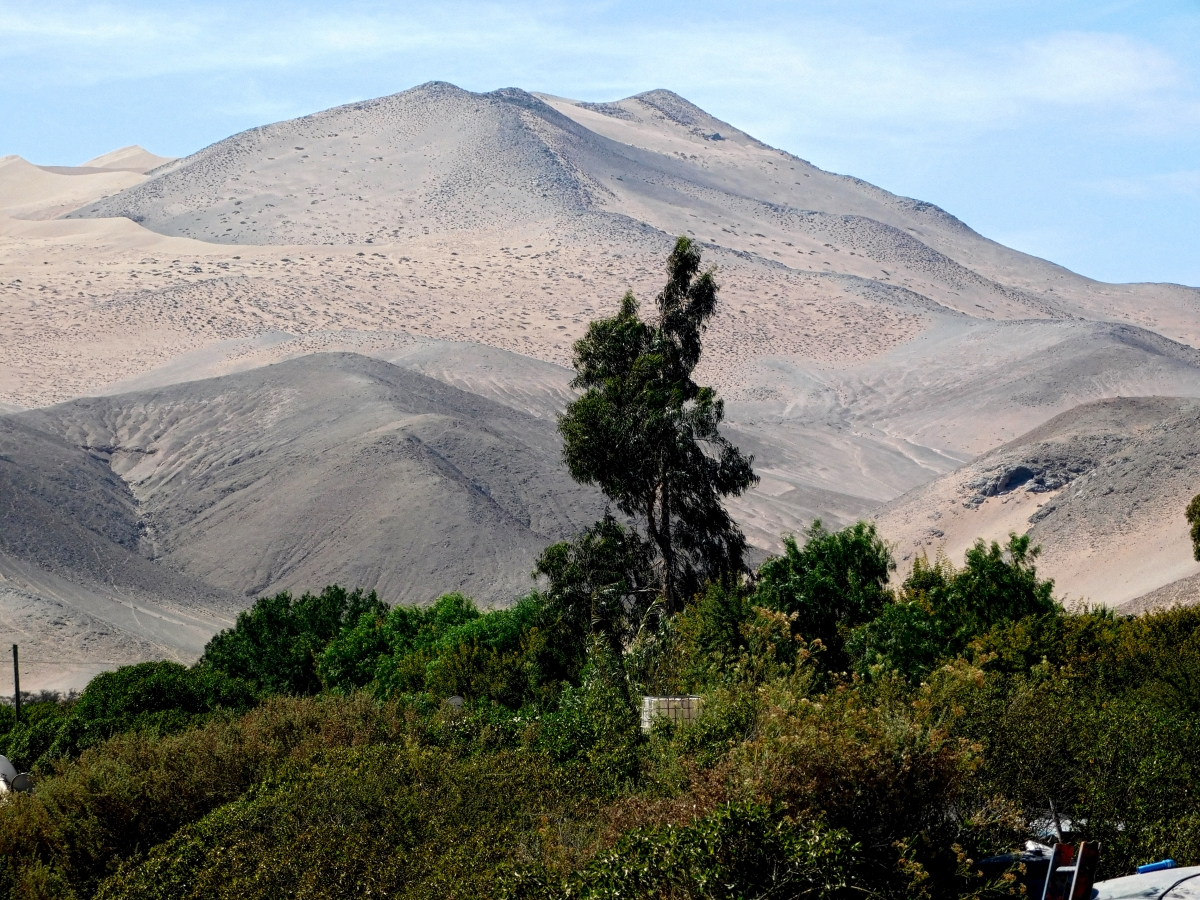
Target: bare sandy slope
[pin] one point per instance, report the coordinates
(132, 158)
(33, 192)
(76, 592)
(1184, 592)
(866, 342)
(437, 159)
(137, 525)
(335, 468)
(509, 219)
(1101, 488)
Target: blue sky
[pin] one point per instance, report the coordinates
(1070, 130)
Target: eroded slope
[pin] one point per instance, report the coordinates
(1101, 488)
(335, 468)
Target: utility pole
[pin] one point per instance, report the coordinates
(16, 683)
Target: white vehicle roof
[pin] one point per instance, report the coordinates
(1167, 884)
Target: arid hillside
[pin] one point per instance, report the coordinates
(1101, 488)
(134, 526)
(867, 344)
(334, 468)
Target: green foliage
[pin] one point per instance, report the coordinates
(26, 741)
(980, 709)
(995, 585)
(509, 656)
(1096, 715)
(134, 791)
(601, 584)
(155, 697)
(738, 850)
(275, 643)
(372, 822)
(940, 609)
(596, 723)
(835, 582)
(649, 437)
(1193, 517)
(370, 648)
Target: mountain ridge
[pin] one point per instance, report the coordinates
(866, 343)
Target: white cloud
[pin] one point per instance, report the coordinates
(1150, 187)
(834, 73)
(1077, 68)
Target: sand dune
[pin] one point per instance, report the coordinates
(132, 158)
(510, 219)
(32, 192)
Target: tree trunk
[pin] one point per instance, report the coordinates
(658, 525)
(668, 552)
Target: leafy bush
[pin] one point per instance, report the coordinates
(596, 723)
(738, 850)
(157, 697)
(371, 822)
(26, 741)
(371, 647)
(835, 582)
(601, 583)
(940, 609)
(511, 656)
(1093, 717)
(154, 697)
(980, 711)
(275, 643)
(135, 790)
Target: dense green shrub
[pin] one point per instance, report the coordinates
(1093, 716)
(153, 697)
(134, 791)
(275, 643)
(939, 609)
(157, 697)
(26, 741)
(508, 655)
(597, 723)
(835, 582)
(601, 583)
(373, 822)
(370, 649)
(979, 712)
(738, 850)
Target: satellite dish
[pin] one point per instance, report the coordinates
(22, 782)
(8, 772)
(455, 701)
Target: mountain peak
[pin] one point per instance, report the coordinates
(132, 158)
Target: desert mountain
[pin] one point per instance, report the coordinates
(141, 523)
(440, 160)
(1101, 488)
(334, 468)
(75, 590)
(868, 344)
(854, 322)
